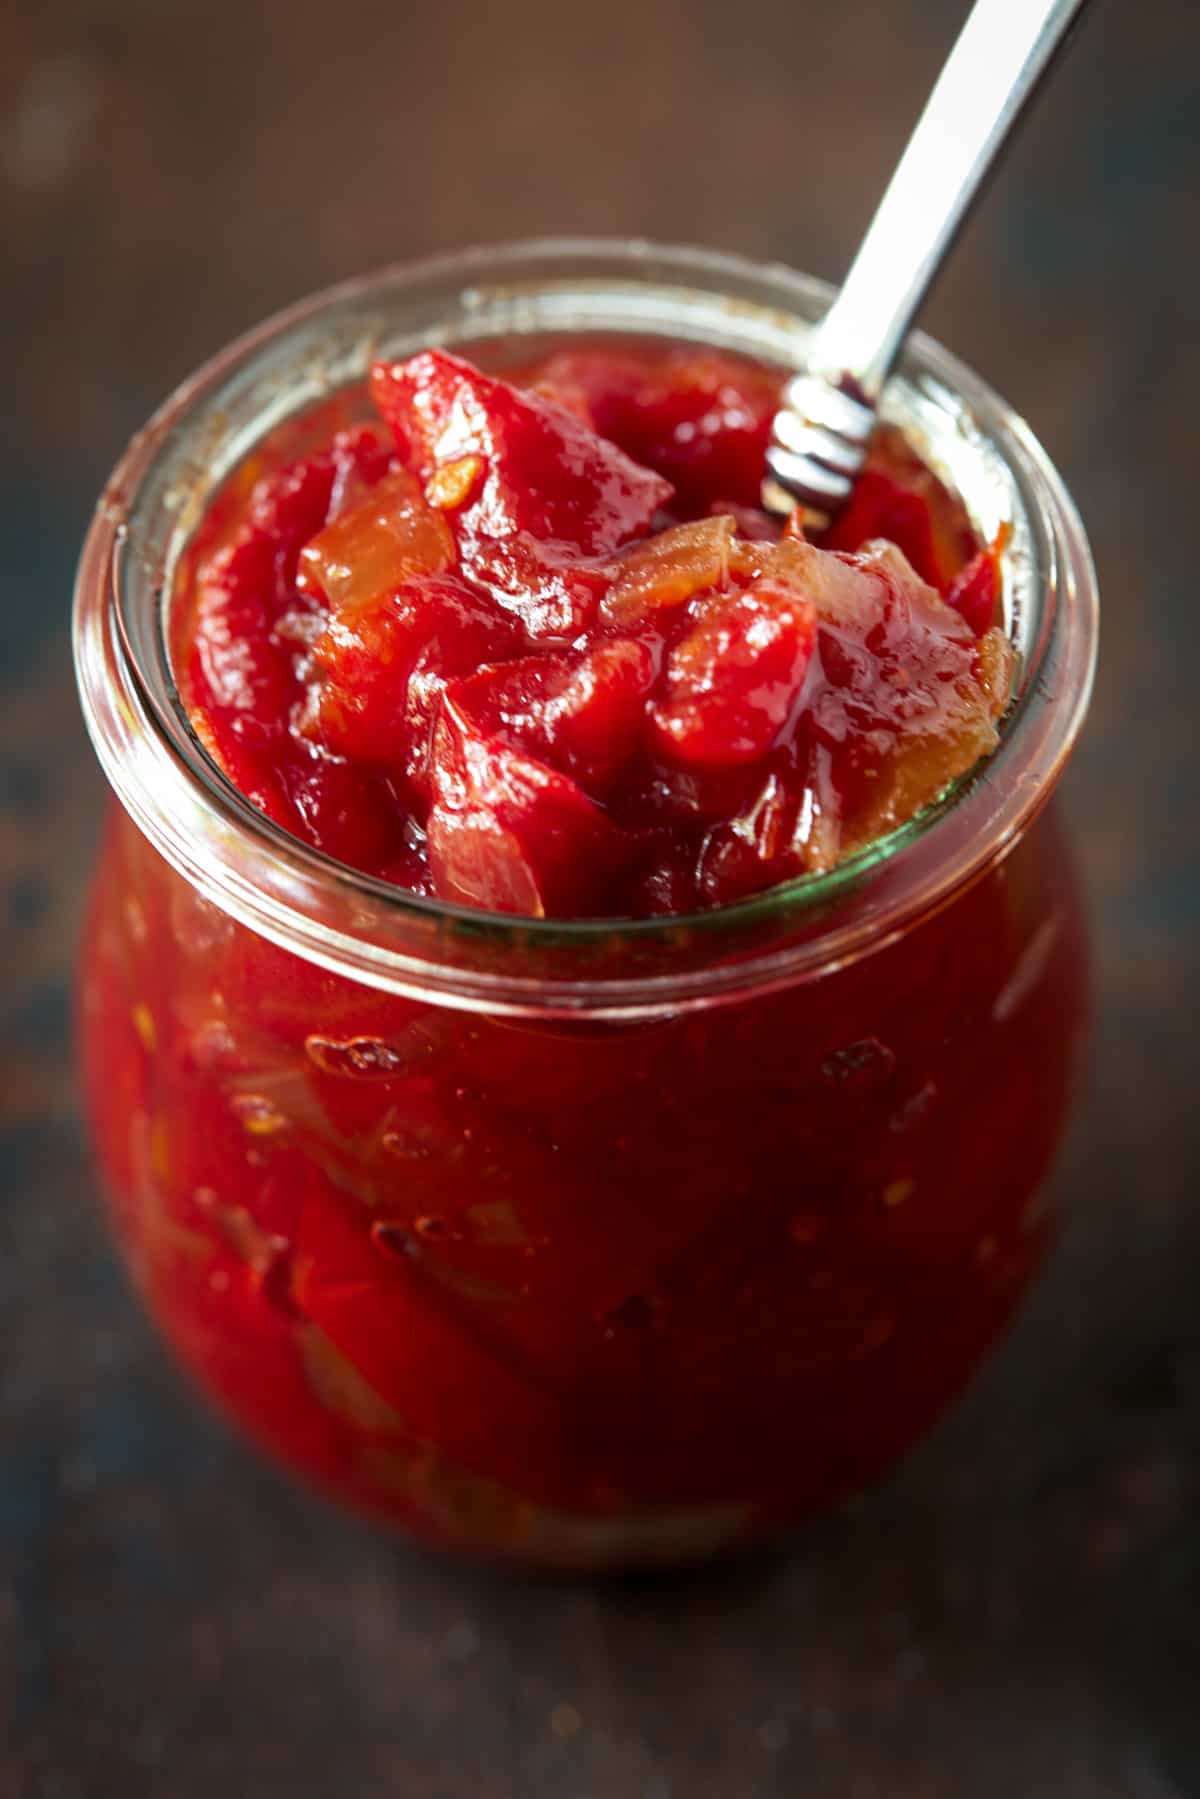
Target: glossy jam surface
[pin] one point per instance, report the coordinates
(529, 643)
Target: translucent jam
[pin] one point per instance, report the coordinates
(533, 647)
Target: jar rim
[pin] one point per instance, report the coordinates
(359, 926)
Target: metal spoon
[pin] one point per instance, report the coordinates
(821, 433)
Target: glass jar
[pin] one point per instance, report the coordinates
(572, 1242)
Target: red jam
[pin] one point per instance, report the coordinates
(567, 1290)
(488, 655)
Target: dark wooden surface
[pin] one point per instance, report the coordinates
(1017, 1614)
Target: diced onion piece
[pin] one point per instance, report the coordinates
(670, 568)
(390, 536)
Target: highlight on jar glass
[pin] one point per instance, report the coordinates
(584, 979)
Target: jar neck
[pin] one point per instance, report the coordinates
(376, 934)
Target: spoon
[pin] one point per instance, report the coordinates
(820, 434)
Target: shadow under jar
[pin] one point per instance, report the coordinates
(578, 1243)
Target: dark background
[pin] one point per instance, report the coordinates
(1017, 1614)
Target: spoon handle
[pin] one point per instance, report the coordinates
(1004, 49)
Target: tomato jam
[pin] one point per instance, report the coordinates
(483, 652)
(569, 1289)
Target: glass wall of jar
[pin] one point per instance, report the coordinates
(574, 1242)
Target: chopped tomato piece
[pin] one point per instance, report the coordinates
(381, 666)
(733, 684)
(975, 591)
(509, 833)
(898, 499)
(581, 711)
(701, 417)
(547, 473)
(550, 590)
